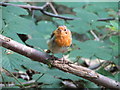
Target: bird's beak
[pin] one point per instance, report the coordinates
(59, 30)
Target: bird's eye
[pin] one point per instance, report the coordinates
(65, 29)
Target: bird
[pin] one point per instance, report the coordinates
(60, 40)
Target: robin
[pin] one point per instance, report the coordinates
(60, 40)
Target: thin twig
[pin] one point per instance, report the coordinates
(22, 6)
(39, 77)
(57, 16)
(33, 14)
(45, 5)
(52, 7)
(95, 36)
(106, 19)
(3, 79)
(15, 78)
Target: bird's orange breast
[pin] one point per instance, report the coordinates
(63, 41)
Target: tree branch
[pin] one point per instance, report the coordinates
(67, 67)
(48, 13)
(38, 8)
(95, 36)
(106, 19)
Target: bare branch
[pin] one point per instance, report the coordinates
(67, 67)
(106, 19)
(95, 36)
(53, 9)
(38, 8)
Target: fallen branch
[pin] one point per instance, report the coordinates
(67, 67)
(48, 13)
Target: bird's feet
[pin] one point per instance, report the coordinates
(64, 60)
